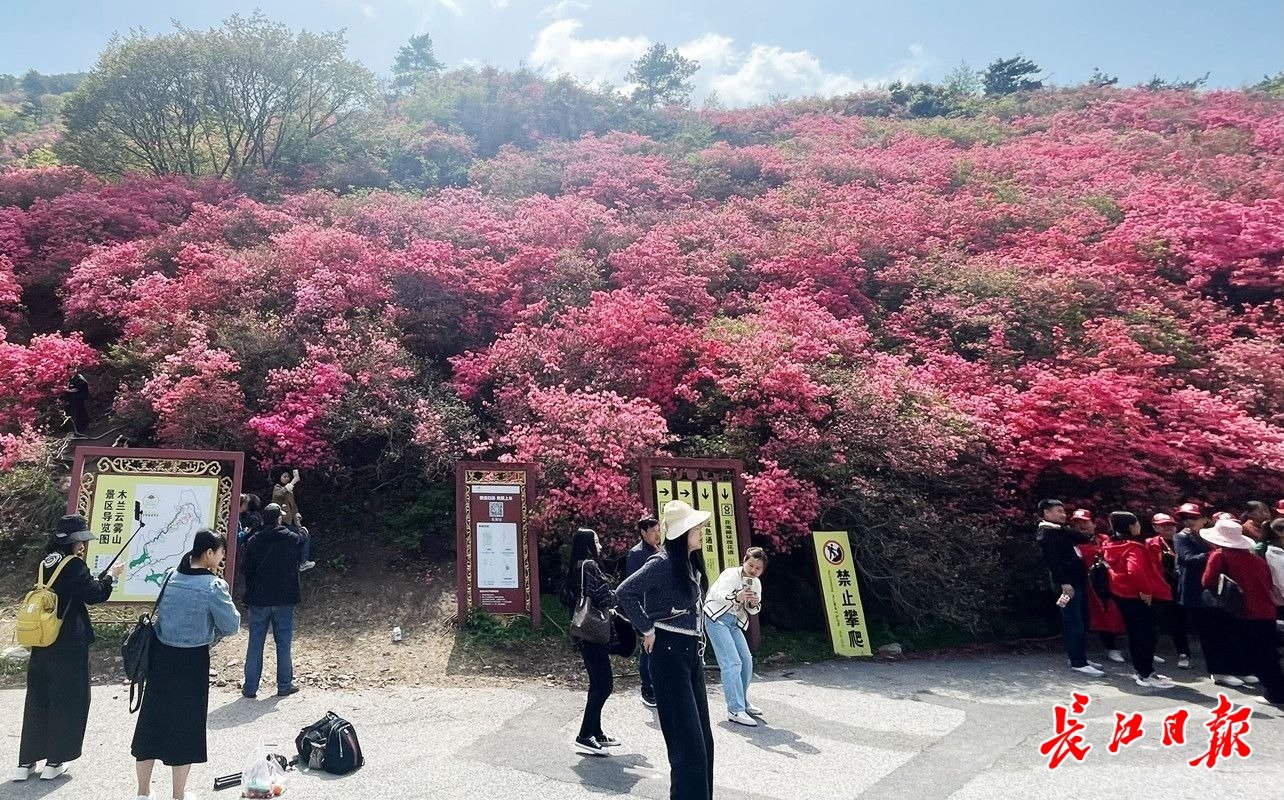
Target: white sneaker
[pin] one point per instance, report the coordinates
(1183, 662)
(1157, 659)
(21, 774)
(1116, 656)
(143, 797)
(1227, 680)
(743, 718)
(1088, 669)
(49, 773)
(1155, 681)
(307, 565)
(1096, 664)
(750, 708)
(1251, 680)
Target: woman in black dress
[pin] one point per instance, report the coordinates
(194, 608)
(57, 703)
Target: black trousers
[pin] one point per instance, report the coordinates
(1174, 617)
(57, 706)
(1258, 642)
(644, 674)
(597, 662)
(1216, 638)
(677, 672)
(1110, 641)
(1139, 620)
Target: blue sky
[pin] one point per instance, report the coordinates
(749, 50)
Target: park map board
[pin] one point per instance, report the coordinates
(160, 498)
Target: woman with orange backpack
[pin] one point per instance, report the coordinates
(57, 704)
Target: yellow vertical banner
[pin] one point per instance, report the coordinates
(663, 494)
(725, 498)
(703, 497)
(841, 594)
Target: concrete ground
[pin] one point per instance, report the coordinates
(964, 729)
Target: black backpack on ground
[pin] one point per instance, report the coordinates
(330, 745)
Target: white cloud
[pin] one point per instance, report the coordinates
(452, 6)
(558, 50)
(739, 76)
(563, 8)
(368, 10)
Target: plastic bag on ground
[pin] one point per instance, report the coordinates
(263, 775)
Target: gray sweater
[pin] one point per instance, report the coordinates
(653, 598)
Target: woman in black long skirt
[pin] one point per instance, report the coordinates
(57, 703)
(193, 610)
(663, 601)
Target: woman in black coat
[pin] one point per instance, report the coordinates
(584, 576)
(57, 703)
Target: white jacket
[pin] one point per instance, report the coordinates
(1275, 560)
(721, 596)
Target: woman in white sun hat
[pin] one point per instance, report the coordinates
(1254, 630)
(662, 600)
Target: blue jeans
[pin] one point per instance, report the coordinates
(281, 618)
(734, 659)
(1074, 627)
(305, 551)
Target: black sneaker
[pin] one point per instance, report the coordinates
(287, 691)
(588, 746)
(649, 702)
(607, 741)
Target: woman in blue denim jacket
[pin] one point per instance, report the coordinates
(193, 610)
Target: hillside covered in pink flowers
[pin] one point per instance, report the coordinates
(909, 328)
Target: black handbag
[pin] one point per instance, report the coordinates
(1228, 596)
(588, 622)
(136, 652)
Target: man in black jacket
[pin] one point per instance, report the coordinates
(271, 566)
(1057, 543)
(647, 546)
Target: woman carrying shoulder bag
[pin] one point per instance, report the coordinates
(584, 578)
(57, 702)
(193, 610)
(662, 600)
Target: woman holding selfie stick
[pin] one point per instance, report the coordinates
(733, 597)
(662, 600)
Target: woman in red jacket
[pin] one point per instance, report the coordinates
(1254, 629)
(1136, 581)
(1104, 618)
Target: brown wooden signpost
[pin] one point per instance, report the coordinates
(706, 484)
(497, 561)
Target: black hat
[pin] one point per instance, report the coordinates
(72, 528)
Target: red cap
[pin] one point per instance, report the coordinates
(1224, 515)
(1162, 519)
(1191, 509)
(1082, 513)
(1279, 507)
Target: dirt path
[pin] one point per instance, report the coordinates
(343, 635)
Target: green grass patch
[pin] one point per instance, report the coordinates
(484, 630)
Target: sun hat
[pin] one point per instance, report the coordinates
(1083, 514)
(1162, 519)
(677, 518)
(1227, 533)
(72, 528)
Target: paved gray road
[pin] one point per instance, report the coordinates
(959, 729)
